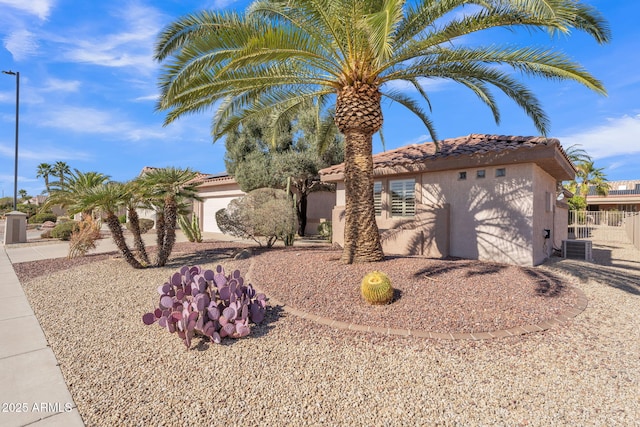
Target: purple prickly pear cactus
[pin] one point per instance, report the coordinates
(196, 301)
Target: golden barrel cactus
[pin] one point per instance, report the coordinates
(376, 288)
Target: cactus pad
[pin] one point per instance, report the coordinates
(376, 288)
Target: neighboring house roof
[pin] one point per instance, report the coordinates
(619, 188)
(221, 178)
(620, 192)
(475, 150)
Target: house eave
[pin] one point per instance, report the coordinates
(547, 157)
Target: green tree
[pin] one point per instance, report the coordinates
(108, 198)
(43, 171)
(23, 195)
(281, 55)
(164, 190)
(61, 170)
(298, 155)
(70, 193)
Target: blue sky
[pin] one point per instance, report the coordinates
(88, 87)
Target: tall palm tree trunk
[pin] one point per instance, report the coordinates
(170, 221)
(134, 222)
(361, 235)
(118, 238)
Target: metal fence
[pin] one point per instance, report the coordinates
(608, 226)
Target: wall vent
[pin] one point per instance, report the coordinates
(578, 249)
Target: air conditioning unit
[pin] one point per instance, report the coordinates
(578, 249)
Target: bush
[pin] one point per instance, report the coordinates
(145, 225)
(63, 230)
(325, 230)
(263, 215)
(122, 219)
(84, 238)
(212, 304)
(41, 217)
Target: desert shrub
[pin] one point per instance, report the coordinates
(145, 225)
(263, 215)
(122, 219)
(63, 230)
(41, 217)
(84, 237)
(209, 303)
(325, 230)
(376, 288)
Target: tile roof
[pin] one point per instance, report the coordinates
(465, 146)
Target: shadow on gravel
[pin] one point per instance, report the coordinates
(547, 284)
(474, 268)
(624, 278)
(272, 315)
(202, 257)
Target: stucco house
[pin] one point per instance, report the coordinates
(486, 197)
(622, 196)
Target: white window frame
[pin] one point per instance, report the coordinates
(403, 197)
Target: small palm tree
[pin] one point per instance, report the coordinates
(70, 193)
(44, 170)
(590, 176)
(108, 197)
(23, 194)
(280, 56)
(132, 198)
(164, 190)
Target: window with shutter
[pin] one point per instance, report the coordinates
(403, 202)
(377, 197)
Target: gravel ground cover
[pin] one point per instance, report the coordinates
(291, 371)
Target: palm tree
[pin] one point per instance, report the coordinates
(281, 55)
(44, 170)
(164, 190)
(133, 197)
(69, 194)
(590, 176)
(23, 194)
(108, 197)
(60, 169)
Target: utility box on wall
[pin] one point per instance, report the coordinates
(15, 228)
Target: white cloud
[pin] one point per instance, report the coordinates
(21, 43)
(39, 8)
(619, 136)
(129, 46)
(43, 154)
(57, 85)
(147, 98)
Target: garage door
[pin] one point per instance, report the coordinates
(210, 207)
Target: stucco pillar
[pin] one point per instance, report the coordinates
(15, 228)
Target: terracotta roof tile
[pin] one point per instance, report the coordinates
(470, 145)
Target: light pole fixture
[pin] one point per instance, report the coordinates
(15, 166)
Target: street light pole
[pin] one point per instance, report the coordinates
(15, 166)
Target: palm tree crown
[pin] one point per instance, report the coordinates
(282, 55)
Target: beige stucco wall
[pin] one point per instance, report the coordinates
(491, 217)
(544, 211)
(426, 233)
(498, 219)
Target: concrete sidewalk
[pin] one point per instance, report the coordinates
(32, 389)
